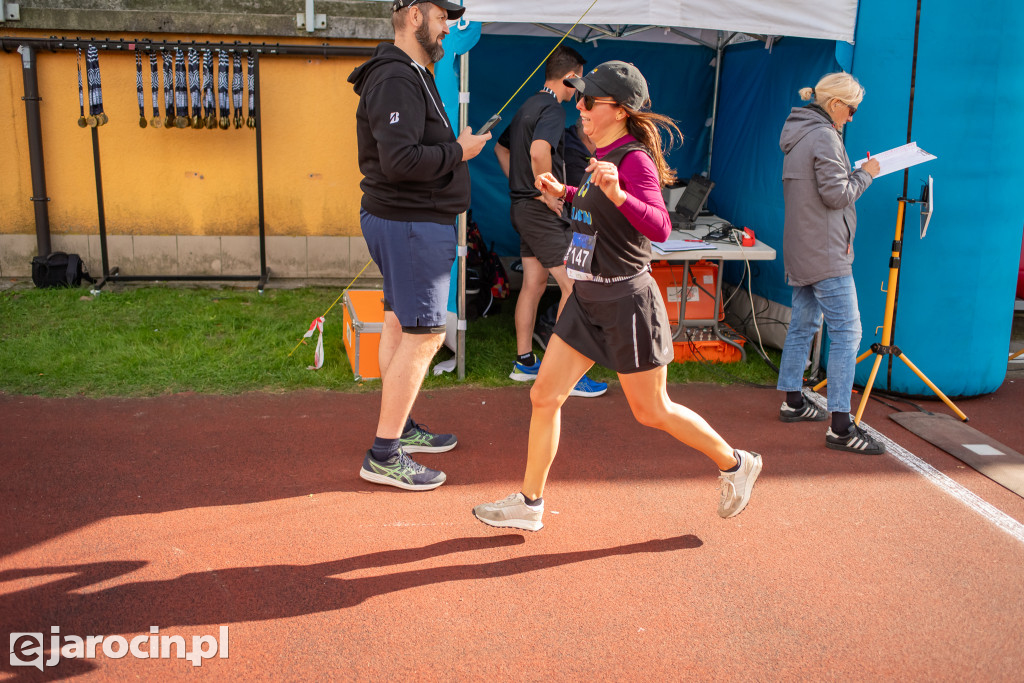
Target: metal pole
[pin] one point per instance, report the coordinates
(35, 149)
(99, 201)
(906, 178)
(259, 171)
(460, 295)
(719, 52)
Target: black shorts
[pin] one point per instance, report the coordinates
(623, 326)
(543, 234)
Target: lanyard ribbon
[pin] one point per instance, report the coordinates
(168, 90)
(222, 89)
(180, 90)
(236, 87)
(251, 82)
(209, 108)
(193, 86)
(92, 67)
(140, 90)
(82, 123)
(154, 86)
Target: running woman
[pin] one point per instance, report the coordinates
(616, 315)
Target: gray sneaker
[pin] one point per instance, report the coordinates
(511, 512)
(736, 486)
(402, 471)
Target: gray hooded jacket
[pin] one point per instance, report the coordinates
(820, 190)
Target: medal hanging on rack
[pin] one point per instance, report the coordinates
(82, 123)
(193, 87)
(209, 106)
(139, 89)
(154, 86)
(222, 89)
(180, 90)
(92, 68)
(251, 82)
(168, 90)
(236, 87)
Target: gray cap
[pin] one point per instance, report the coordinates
(621, 81)
(454, 11)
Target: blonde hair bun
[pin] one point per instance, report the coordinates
(835, 86)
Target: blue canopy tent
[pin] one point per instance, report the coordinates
(730, 82)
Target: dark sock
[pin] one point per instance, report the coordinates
(527, 359)
(383, 448)
(736, 467)
(795, 399)
(533, 503)
(409, 425)
(841, 423)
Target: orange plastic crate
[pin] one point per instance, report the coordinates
(700, 290)
(363, 321)
(701, 345)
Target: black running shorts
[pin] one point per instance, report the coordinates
(623, 326)
(543, 234)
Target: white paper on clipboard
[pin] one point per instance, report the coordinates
(898, 158)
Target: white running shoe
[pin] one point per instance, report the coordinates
(736, 486)
(511, 512)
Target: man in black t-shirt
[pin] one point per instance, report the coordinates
(579, 149)
(532, 144)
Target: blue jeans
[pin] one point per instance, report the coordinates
(836, 297)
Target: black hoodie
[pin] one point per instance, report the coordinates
(411, 164)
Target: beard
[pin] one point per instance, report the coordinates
(433, 49)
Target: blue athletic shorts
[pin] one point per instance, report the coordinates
(415, 258)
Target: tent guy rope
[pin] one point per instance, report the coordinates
(318, 323)
(491, 122)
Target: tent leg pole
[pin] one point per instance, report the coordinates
(460, 295)
(719, 51)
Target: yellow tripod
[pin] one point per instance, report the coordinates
(885, 348)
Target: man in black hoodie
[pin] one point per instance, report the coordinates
(415, 183)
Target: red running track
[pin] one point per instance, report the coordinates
(189, 513)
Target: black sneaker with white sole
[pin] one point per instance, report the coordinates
(855, 441)
(808, 412)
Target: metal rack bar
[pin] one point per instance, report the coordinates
(56, 44)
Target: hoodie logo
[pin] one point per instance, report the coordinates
(394, 117)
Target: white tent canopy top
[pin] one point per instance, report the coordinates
(799, 18)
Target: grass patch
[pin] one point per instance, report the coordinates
(156, 340)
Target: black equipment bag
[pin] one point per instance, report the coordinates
(59, 269)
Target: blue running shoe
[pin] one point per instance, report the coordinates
(525, 373)
(419, 439)
(588, 387)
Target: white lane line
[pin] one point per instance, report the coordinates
(968, 498)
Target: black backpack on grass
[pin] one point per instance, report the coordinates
(59, 270)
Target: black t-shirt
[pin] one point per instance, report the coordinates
(577, 157)
(540, 118)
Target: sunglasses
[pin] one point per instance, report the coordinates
(589, 100)
(853, 110)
